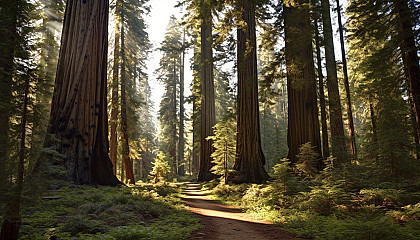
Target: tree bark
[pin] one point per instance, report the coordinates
(303, 123)
(352, 133)
(124, 122)
(173, 152)
(78, 114)
(325, 143)
(181, 141)
(409, 53)
(250, 160)
(208, 114)
(114, 98)
(338, 142)
(8, 20)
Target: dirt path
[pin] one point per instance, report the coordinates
(226, 222)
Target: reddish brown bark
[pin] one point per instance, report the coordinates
(78, 114)
(303, 124)
(250, 160)
(208, 114)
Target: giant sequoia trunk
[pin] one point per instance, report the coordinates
(352, 133)
(409, 52)
(208, 114)
(114, 100)
(124, 122)
(78, 115)
(8, 19)
(249, 162)
(303, 124)
(338, 142)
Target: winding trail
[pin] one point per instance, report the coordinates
(222, 222)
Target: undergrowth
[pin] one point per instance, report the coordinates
(143, 211)
(331, 205)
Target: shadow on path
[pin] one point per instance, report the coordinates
(227, 222)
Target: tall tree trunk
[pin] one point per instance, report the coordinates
(196, 113)
(208, 112)
(12, 220)
(249, 162)
(374, 128)
(173, 152)
(8, 19)
(128, 163)
(114, 96)
(338, 142)
(181, 144)
(409, 52)
(352, 133)
(325, 144)
(303, 123)
(78, 114)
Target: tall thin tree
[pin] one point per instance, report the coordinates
(114, 95)
(352, 133)
(129, 174)
(338, 142)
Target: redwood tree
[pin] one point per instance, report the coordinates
(208, 114)
(249, 162)
(303, 124)
(409, 53)
(338, 143)
(79, 107)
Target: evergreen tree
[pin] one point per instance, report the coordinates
(224, 144)
(250, 159)
(377, 72)
(336, 121)
(346, 84)
(169, 75)
(78, 114)
(303, 123)
(208, 114)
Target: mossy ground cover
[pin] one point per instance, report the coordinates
(142, 211)
(327, 211)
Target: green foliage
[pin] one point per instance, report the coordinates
(307, 160)
(83, 212)
(161, 169)
(224, 142)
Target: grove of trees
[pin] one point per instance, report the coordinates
(325, 89)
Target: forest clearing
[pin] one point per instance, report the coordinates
(210, 119)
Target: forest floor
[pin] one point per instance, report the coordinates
(227, 222)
